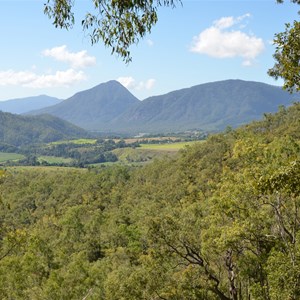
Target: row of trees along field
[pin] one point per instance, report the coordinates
(220, 221)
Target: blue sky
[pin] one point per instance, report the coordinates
(201, 41)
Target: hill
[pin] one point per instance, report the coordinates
(110, 107)
(93, 109)
(19, 130)
(210, 106)
(24, 105)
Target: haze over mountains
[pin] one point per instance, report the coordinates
(24, 105)
(110, 107)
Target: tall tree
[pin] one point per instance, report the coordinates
(287, 55)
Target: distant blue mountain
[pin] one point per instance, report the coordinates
(209, 106)
(93, 109)
(110, 107)
(24, 105)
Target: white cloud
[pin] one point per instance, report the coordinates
(150, 43)
(11, 77)
(149, 84)
(217, 41)
(76, 59)
(128, 82)
(33, 80)
(224, 22)
(131, 84)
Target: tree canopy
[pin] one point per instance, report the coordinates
(287, 55)
(117, 23)
(220, 221)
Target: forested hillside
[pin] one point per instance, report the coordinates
(220, 221)
(21, 130)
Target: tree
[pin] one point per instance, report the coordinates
(287, 55)
(118, 23)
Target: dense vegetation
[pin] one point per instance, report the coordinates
(220, 221)
(16, 130)
(80, 153)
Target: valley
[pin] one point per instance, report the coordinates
(113, 126)
(87, 153)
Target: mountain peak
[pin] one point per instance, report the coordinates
(110, 107)
(109, 84)
(94, 107)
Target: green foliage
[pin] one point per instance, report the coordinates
(219, 221)
(4, 157)
(287, 57)
(18, 130)
(118, 24)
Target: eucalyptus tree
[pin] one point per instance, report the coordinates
(117, 23)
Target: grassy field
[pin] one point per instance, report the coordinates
(147, 152)
(55, 160)
(166, 147)
(146, 140)
(10, 156)
(77, 142)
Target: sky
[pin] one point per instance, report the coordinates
(197, 42)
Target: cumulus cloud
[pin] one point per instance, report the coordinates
(131, 84)
(33, 80)
(222, 41)
(149, 83)
(11, 77)
(77, 60)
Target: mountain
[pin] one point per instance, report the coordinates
(19, 130)
(110, 107)
(94, 109)
(24, 105)
(209, 106)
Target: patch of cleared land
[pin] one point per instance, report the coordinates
(4, 157)
(166, 146)
(77, 142)
(54, 159)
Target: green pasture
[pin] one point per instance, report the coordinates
(147, 152)
(54, 159)
(4, 157)
(77, 142)
(140, 155)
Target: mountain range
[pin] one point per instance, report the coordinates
(24, 105)
(210, 107)
(110, 107)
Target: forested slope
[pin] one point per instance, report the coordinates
(19, 130)
(221, 221)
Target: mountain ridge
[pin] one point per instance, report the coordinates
(101, 107)
(24, 105)
(110, 107)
